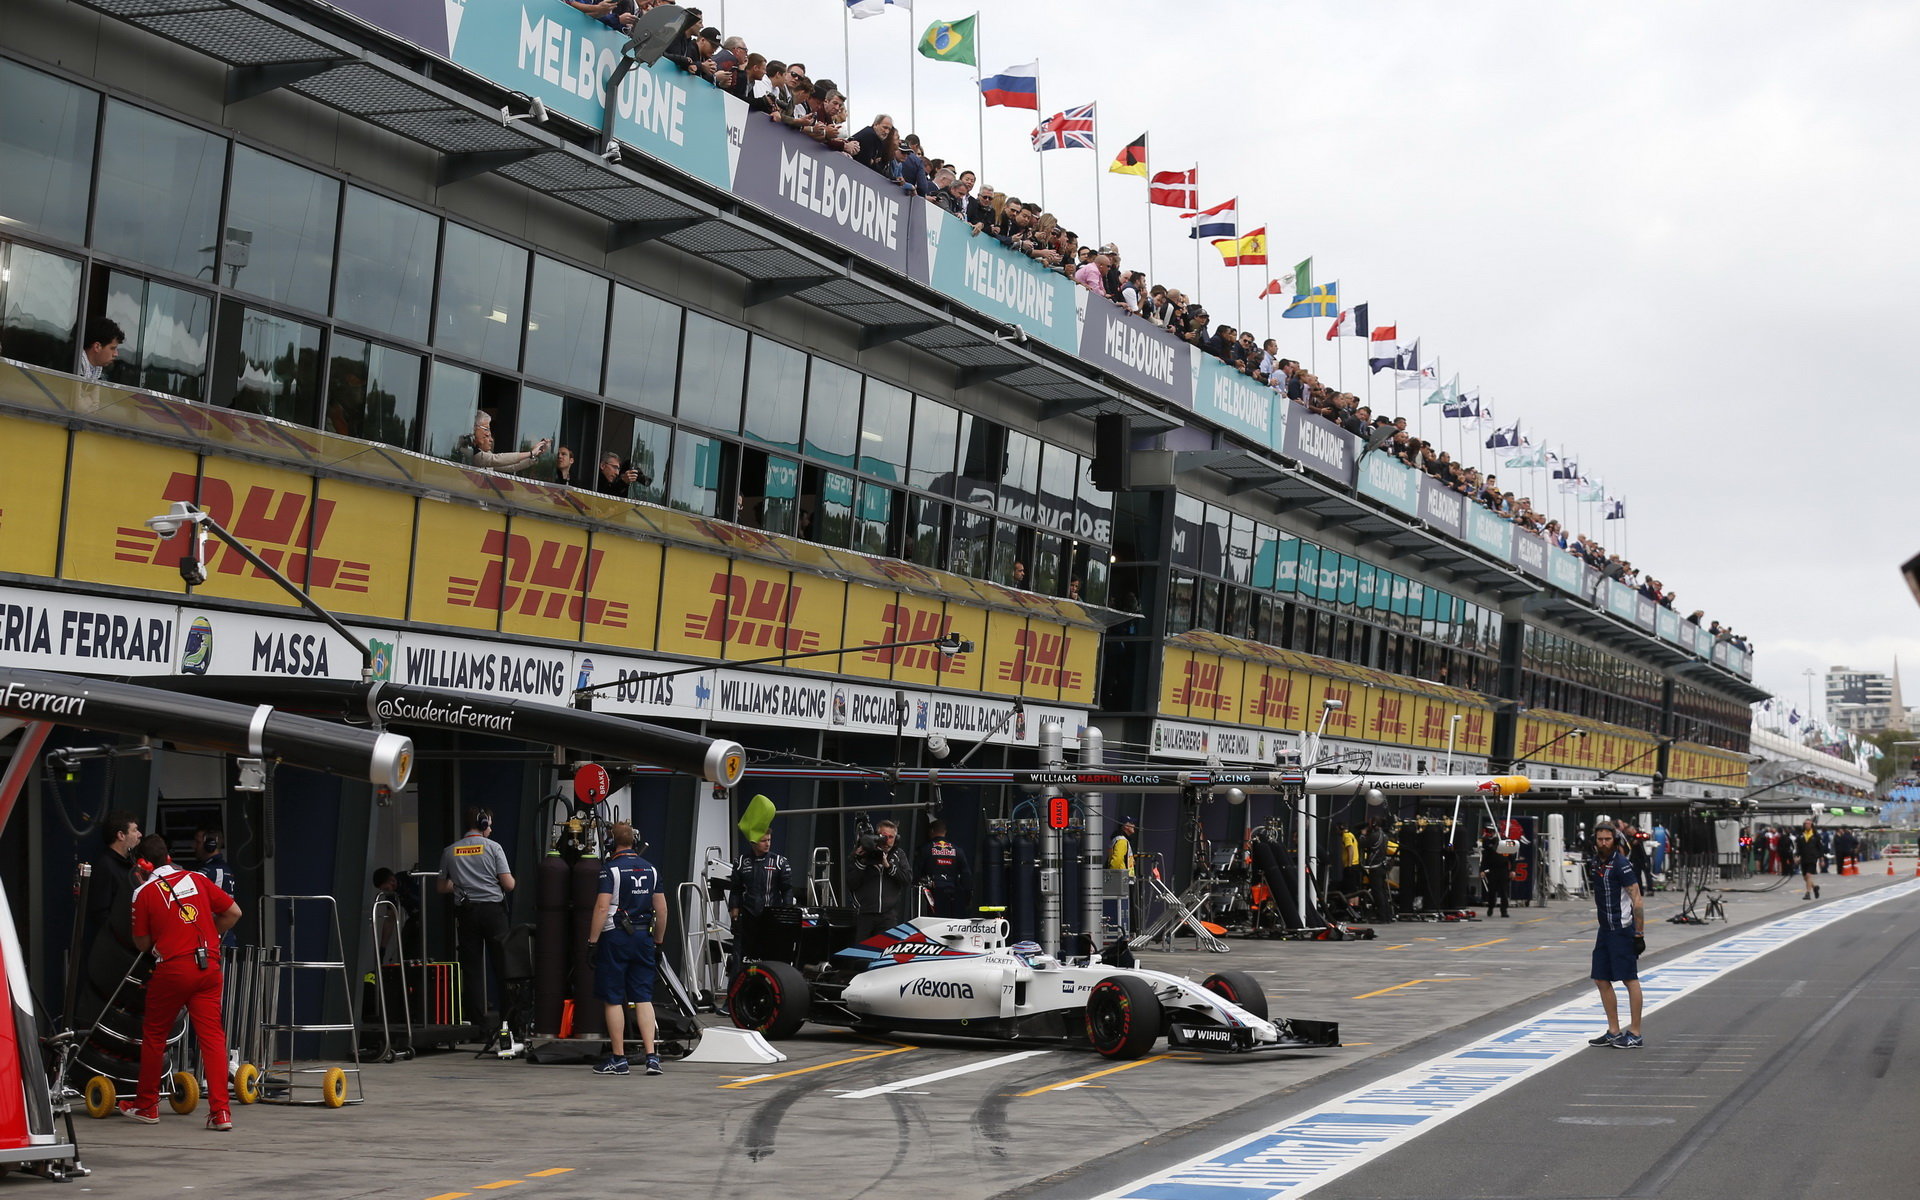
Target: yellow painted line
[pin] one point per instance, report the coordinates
(1409, 983)
(1139, 1062)
(838, 1062)
(1533, 949)
(1475, 946)
(449, 1196)
(548, 1171)
(1401, 946)
(498, 1183)
(1536, 920)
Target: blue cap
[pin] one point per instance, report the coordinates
(1128, 821)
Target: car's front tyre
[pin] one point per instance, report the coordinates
(770, 998)
(1123, 1017)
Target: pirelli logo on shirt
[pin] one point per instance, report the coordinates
(473, 851)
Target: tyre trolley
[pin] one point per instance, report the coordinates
(291, 992)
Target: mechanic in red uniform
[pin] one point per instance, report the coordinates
(180, 915)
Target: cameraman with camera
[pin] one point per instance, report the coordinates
(617, 475)
(629, 919)
(880, 875)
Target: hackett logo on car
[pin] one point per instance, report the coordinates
(274, 523)
(937, 989)
(752, 613)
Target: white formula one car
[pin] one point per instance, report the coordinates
(960, 977)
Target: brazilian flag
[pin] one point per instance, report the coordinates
(949, 41)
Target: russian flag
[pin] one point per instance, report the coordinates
(1015, 87)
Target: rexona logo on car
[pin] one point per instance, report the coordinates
(938, 989)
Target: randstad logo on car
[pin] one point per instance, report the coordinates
(937, 989)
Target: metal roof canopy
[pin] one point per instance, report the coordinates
(266, 48)
(1616, 634)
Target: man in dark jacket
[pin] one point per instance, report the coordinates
(761, 879)
(942, 867)
(880, 876)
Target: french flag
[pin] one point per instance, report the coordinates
(1015, 87)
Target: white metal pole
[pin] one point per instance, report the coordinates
(1093, 843)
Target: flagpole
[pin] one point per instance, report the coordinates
(1040, 106)
(846, 52)
(913, 77)
(1152, 273)
(1099, 221)
(980, 105)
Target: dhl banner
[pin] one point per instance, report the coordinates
(29, 500)
(1706, 768)
(1548, 739)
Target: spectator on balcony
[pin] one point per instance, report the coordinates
(1220, 342)
(745, 80)
(952, 196)
(616, 475)
(563, 466)
(480, 451)
(1090, 272)
(684, 50)
(614, 14)
(773, 94)
(911, 170)
(876, 146)
(99, 347)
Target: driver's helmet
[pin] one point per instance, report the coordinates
(1026, 951)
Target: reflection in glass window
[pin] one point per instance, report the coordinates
(1213, 541)
(776, 394)
(1058, 467)
(1047, 572)
(267, 364)
(456, 398)
(1239, 560)
(652, 443)
(483, 292)
(166, 328)
(874, 516)
(158, 201)
(373, 391)
(1180, 603)
(1189, 512)
(47, 143)
(542, 415)
(926, 533)
(1021, 482)
(278, 243)
(936, 442)
(1309, 574)
(39, 306)
(713, 363)
(566, 324)
(972, 543)
(826, 507)
(769, 491)
(643, 353)
(883, 430)
(387, 257)
(983, 458)
(833, 413)
(1092, 510)
(699, 473)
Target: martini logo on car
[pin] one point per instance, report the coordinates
(938, 989)
(916, 949)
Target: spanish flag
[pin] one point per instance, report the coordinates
(1247, 251)
(1132, 160)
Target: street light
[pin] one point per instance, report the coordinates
(193, 569)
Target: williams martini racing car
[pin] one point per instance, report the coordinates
(960, 977)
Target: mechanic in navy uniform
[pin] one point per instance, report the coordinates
(629, 919)
(209, 851)
(1496, 872)
(761, 879)
(1621, 938)
(880, 875)
(941, 867)
(474, 870)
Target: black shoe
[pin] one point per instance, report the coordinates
(1605, 1039)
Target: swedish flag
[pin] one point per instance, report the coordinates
(949, 41)
(1322, 301)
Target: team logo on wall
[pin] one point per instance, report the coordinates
(839, 706)
(585, 674)
(199, 648)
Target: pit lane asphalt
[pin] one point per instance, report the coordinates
(850, 1116)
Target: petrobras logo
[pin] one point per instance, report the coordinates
(937, 989)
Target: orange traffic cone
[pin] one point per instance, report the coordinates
(1889, 866)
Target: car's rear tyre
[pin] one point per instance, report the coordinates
(1238, 987)
(1123, 1016)
(769, 998)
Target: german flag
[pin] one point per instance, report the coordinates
(1132, 160)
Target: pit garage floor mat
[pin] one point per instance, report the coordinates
(1300, 1154)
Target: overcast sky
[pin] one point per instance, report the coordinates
(1678, 240)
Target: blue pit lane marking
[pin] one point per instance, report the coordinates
(1310, 1149)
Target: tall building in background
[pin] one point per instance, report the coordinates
(1864, 701)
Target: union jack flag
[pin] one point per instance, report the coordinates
(1069, 130)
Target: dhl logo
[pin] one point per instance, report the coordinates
(1387, 718)
(752, 613)
(1435, 725)
(1200, 688)
(1039, 658)
(537, 579)
(1342, 719)
(905, 623)
(1276, 698)
(1473, 730)
(283, 528)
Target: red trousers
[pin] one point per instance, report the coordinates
(176, 984)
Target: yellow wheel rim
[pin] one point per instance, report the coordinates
(186, 1092)
(100, 1096)
(246, 1083)
(333, 1087)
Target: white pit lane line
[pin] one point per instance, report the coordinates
(1294, 1157)
(917, 1080)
